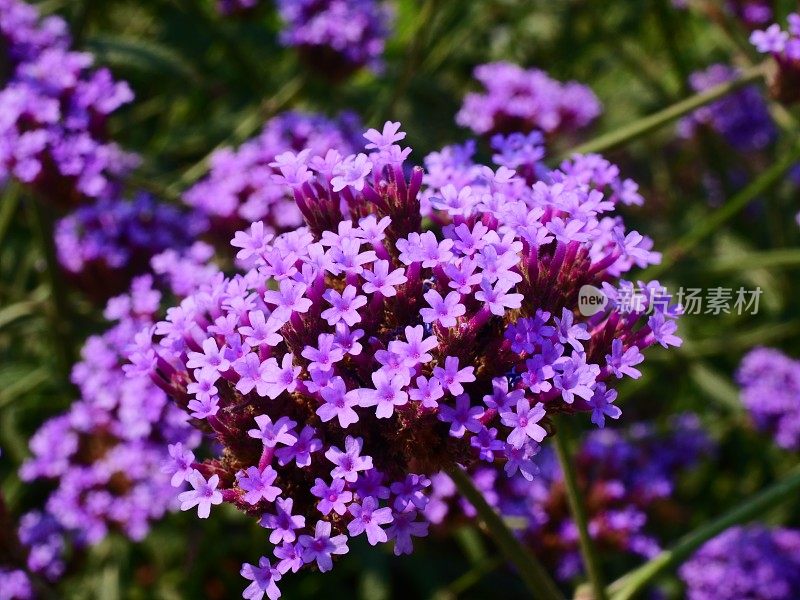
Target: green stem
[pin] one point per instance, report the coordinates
(533, 574)
(730, 209)
(60, 313)
(578, 511)
(663, 117)
(629, 585)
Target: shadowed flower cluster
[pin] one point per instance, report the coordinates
(101, 245)
(741, 118)
(106, 453)
(53, 111)
(521, 100)
(336, 37)
(770, 383)
(745, 562)
(241, 186)
(625, 476)
(362, 353)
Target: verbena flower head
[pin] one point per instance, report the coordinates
(362, 353)
(751, 13)
(741, 118)
(103, 245)
(336, 37)
(106, 453)
(15, 585)
(784, 47)
(54, 107)
(770, 383)
(623, 474)
(521, 100)
(244, 185)
(745, 562)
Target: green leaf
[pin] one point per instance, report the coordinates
(631, 584)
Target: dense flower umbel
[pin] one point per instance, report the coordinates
(746, 562)
(336, 37)
(521, 100)
(741, 118)
(103, 245)
(53, 111)
(784, 47)
(107, 451)
(625, 476)
(242, 187)
(770, 383)
(361, 354)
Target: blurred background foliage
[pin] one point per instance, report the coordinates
(202, 82)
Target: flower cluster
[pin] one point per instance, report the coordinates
(54, 107)
(107, 451)
(15, 585)
(625, 475)
(362, 353)
(521, 100)
(745, 562)
(741, 118)
(784, 47)
(242, 186)
(336, 37)
(752, 13)
(103, 245)
(770, 383)
(452, 177)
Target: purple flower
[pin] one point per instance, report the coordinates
(410, 491)
(568, 333)
(525, 423)
(203, 495)
(284, 523)
(463, 417)
(368, 518)
(333, 497)
(379, 280)
(179, 466)
(351, 172)
(263, 577)
(349, 462)
(496, 298)
(258, 485)
(501, 398)
(339, 403)
(621, 362)
(211, 359)
(445, 310)
(451, 377)
(344, 306)
(416, 348)
(426, 392)
(387, 394)
(403, 527)
(272, 434)
(291, 558)
(301, 450)
(602, 407)
(321, 546)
